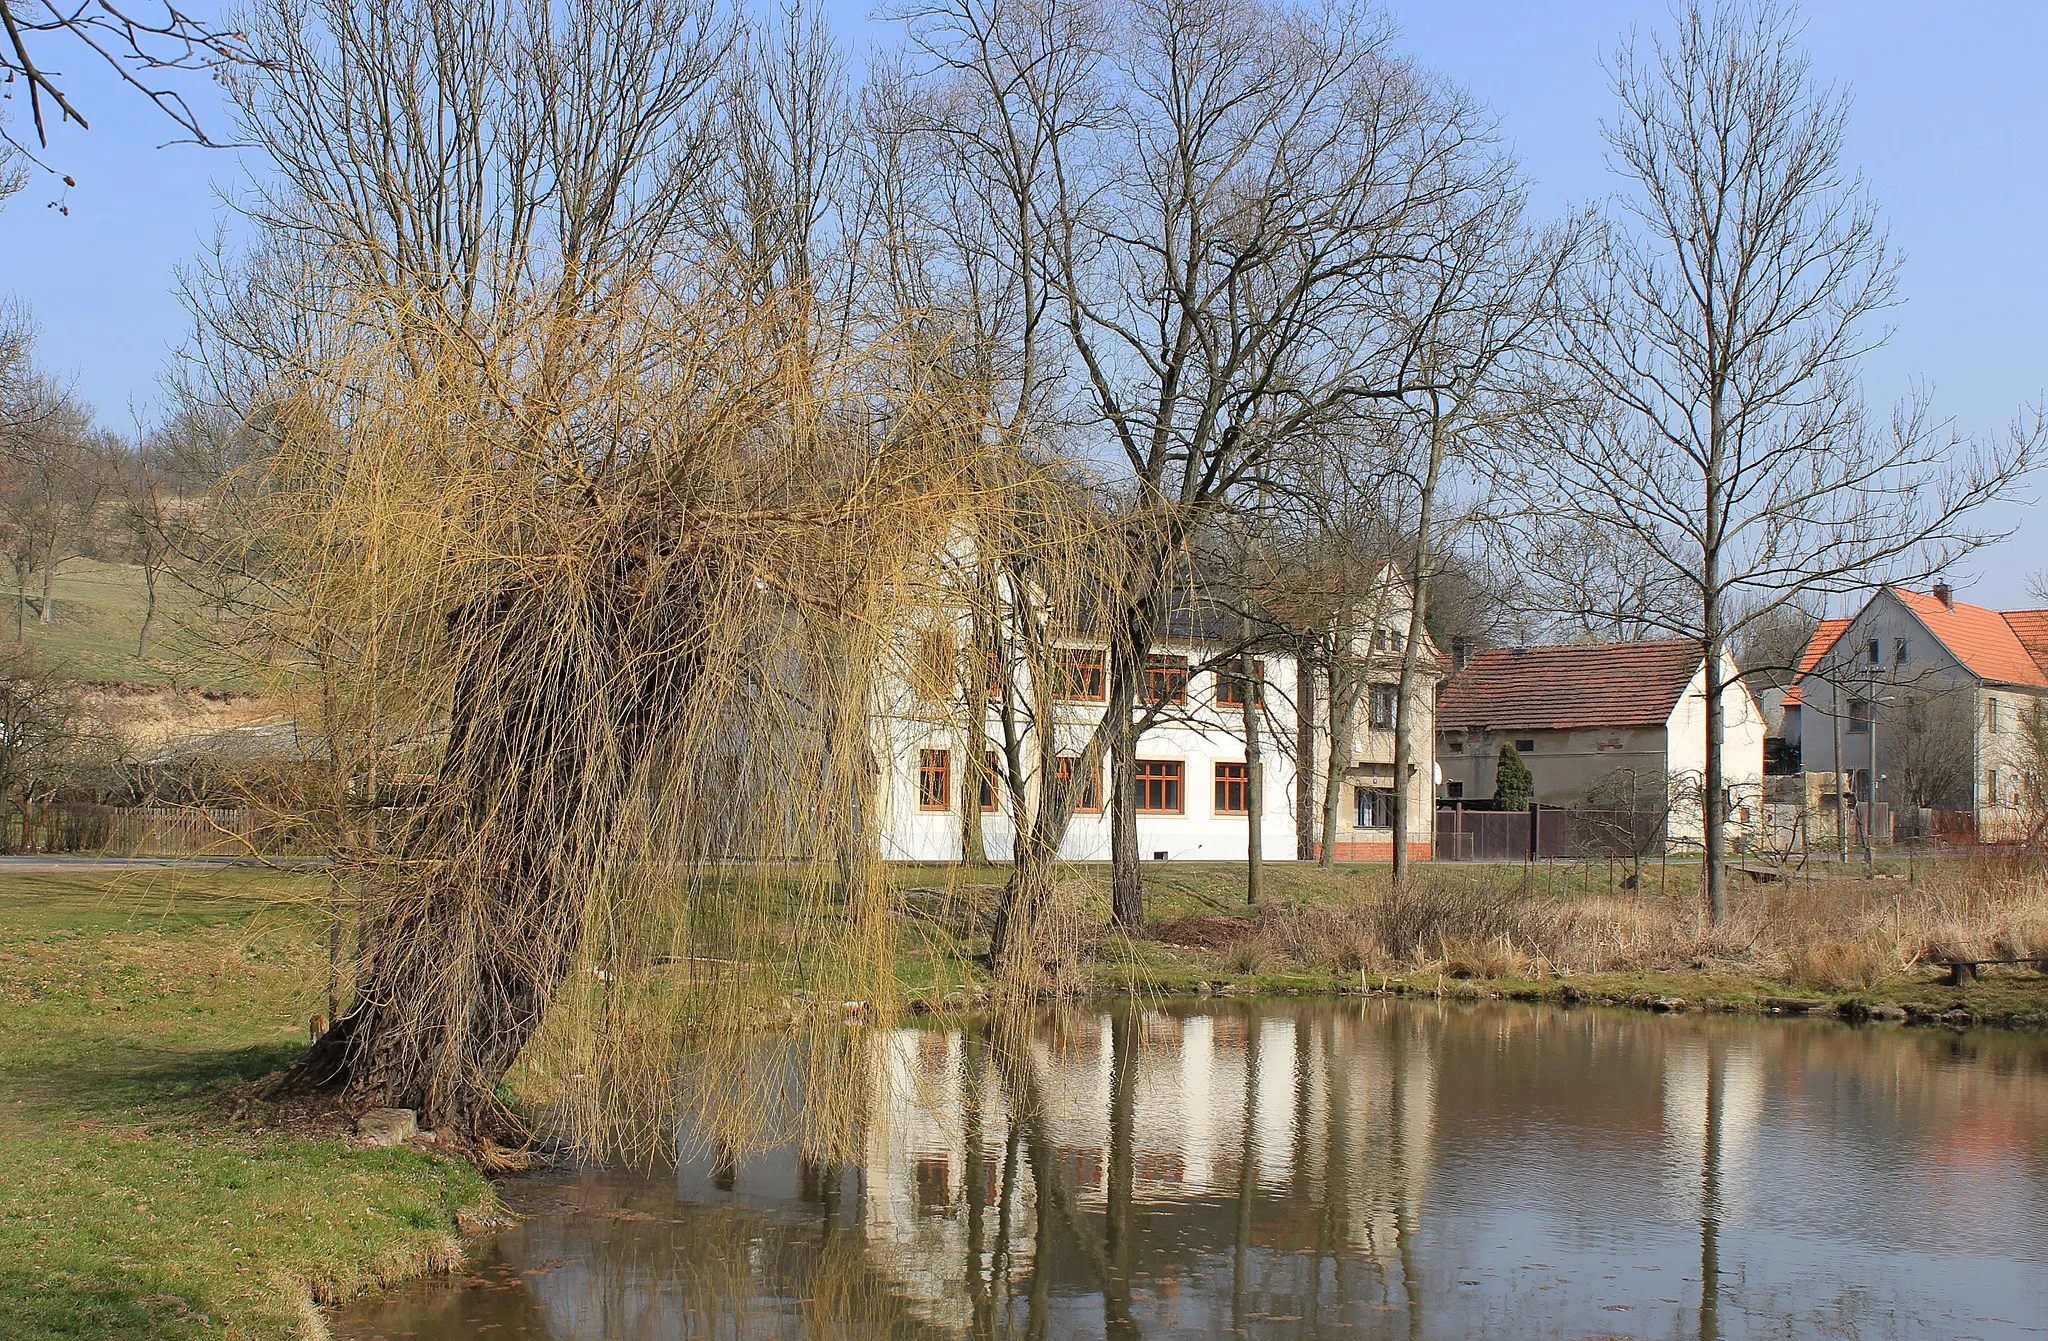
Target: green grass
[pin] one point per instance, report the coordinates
(134, 1201)
(98, 609)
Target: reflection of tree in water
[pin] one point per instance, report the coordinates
(1222, 1171)
(1205, 1170)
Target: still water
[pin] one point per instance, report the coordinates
(1369, 1169)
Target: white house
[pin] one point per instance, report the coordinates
(1191, 770)
(1931, 700)
(1601, 723)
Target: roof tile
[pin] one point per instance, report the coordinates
(1985, 641)
(1816, 647)
(1569, 687)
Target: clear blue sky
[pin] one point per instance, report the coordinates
(1949, 127)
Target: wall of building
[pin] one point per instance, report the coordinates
(1202, 734)
(1566, 765)
(1372, 751)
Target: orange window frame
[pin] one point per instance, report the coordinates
(1091, 790)
(1233, 788)
(934, 779)
(1232, 675)
(1166, 679)
(1160, 787)
(1081, 675)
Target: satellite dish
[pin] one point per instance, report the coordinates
(1438, 769)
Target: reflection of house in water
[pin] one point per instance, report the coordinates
(1266, 1139)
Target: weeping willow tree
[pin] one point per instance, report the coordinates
(588, 494)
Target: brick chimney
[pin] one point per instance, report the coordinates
(1946, 594)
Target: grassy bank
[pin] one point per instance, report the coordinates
(1824, 939)
(137, 1196)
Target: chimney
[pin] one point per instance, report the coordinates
(1946, 594)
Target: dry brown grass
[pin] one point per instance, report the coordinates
(1841, 933)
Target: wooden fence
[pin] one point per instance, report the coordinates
(135, 831)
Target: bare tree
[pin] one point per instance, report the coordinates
(581, 503)
(1485, 323)
(1725, 439)
(1210, 203)
(151, 516)
(141, 44)
(54, 469)
(1930, 746)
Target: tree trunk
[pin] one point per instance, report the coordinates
(1305, 690)
(148, 610)
(1344, 678)
(1254, 801)
(558, 702)
(974, 691)
(1418, 626)
(1714, 813)
(48, 615)
(1126, 874)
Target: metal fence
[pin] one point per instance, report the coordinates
(1544, 833)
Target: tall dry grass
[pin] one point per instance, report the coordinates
(1840, 932)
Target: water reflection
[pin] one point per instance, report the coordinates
(1371, 1169)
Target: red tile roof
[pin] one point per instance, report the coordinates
(1987, 643)
(1569, 687)
(2031, 628)
(1816, 647)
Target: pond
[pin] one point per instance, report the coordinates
(1363, 1168)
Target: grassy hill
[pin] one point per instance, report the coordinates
(98, 616)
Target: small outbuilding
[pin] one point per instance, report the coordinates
(1619, 725)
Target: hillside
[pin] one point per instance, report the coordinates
(99, 609)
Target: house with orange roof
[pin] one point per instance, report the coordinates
(1790, 712)
(1601, 723)
(1925, 701)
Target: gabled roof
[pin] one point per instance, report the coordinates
(1988, 643)
(1816, 647)
(1569, 687)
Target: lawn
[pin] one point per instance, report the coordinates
(135, 1199)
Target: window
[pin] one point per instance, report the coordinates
(991, 769)
(1166, 679)
(1875, 652)
(1859, 717)
(1159, 786)
(994, 662)
(1991, 714)
(1388, 640)
(1525, 746)
(1386, 699)
(1080, 674)
(1090, 802)
(1454, 744)
(1233, 788)
(1455, 790)
(1230, 682)
(1373, 808)
(1902, 652)
(1991, 787)
(934, 779)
